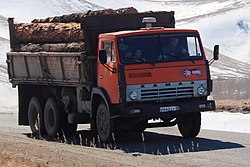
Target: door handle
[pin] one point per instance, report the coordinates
(100, 76)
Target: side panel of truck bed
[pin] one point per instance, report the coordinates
(45, 68)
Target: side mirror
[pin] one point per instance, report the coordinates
(216, 52)
(103, 56)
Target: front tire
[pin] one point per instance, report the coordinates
(104, 123)
(189, 125)
(51, 117)
(35, 116)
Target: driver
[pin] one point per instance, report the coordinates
(137, 56)
(133, 57)
(173, 49)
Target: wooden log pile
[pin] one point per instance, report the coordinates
(77, 17)
(57, 47)
(57, 34)
(48, 32)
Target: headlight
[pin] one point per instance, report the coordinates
(201, 90)
(133, 95)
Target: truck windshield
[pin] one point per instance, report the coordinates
(159, 48)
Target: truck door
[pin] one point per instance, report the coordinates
(106, 78)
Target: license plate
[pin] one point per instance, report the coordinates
(170, 108)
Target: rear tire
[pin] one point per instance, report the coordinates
(189, 125)
(51, 117)
(35, 116)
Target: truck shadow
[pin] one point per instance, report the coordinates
(146, 143)
(162, 144)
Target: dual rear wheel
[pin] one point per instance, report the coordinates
(49, 118)
(35, 116)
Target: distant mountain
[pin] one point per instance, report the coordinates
(27, 10)
(227, 68)
(4, 27)
(219, 22)
(4, 47)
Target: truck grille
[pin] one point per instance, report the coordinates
(166, 93)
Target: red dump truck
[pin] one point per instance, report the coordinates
(127, 74)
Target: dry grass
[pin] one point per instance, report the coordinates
(9, 161)
(234, 106)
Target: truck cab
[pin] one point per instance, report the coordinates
(156, 64)
(155, 73)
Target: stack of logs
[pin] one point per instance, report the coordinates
(57, 34)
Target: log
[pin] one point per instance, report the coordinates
(57, 47)
(74, 17)
(126, 10)
(48, 33)
(56, 34)
(77, 17)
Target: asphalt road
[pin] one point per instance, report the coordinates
(164, 145)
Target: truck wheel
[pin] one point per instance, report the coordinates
(103, 123)
(51, 117)
(190, 124)
(35, 117)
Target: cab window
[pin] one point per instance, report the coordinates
(109, 48)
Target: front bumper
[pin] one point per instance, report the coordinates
(154, 110)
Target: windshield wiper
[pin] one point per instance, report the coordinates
(153, 64)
